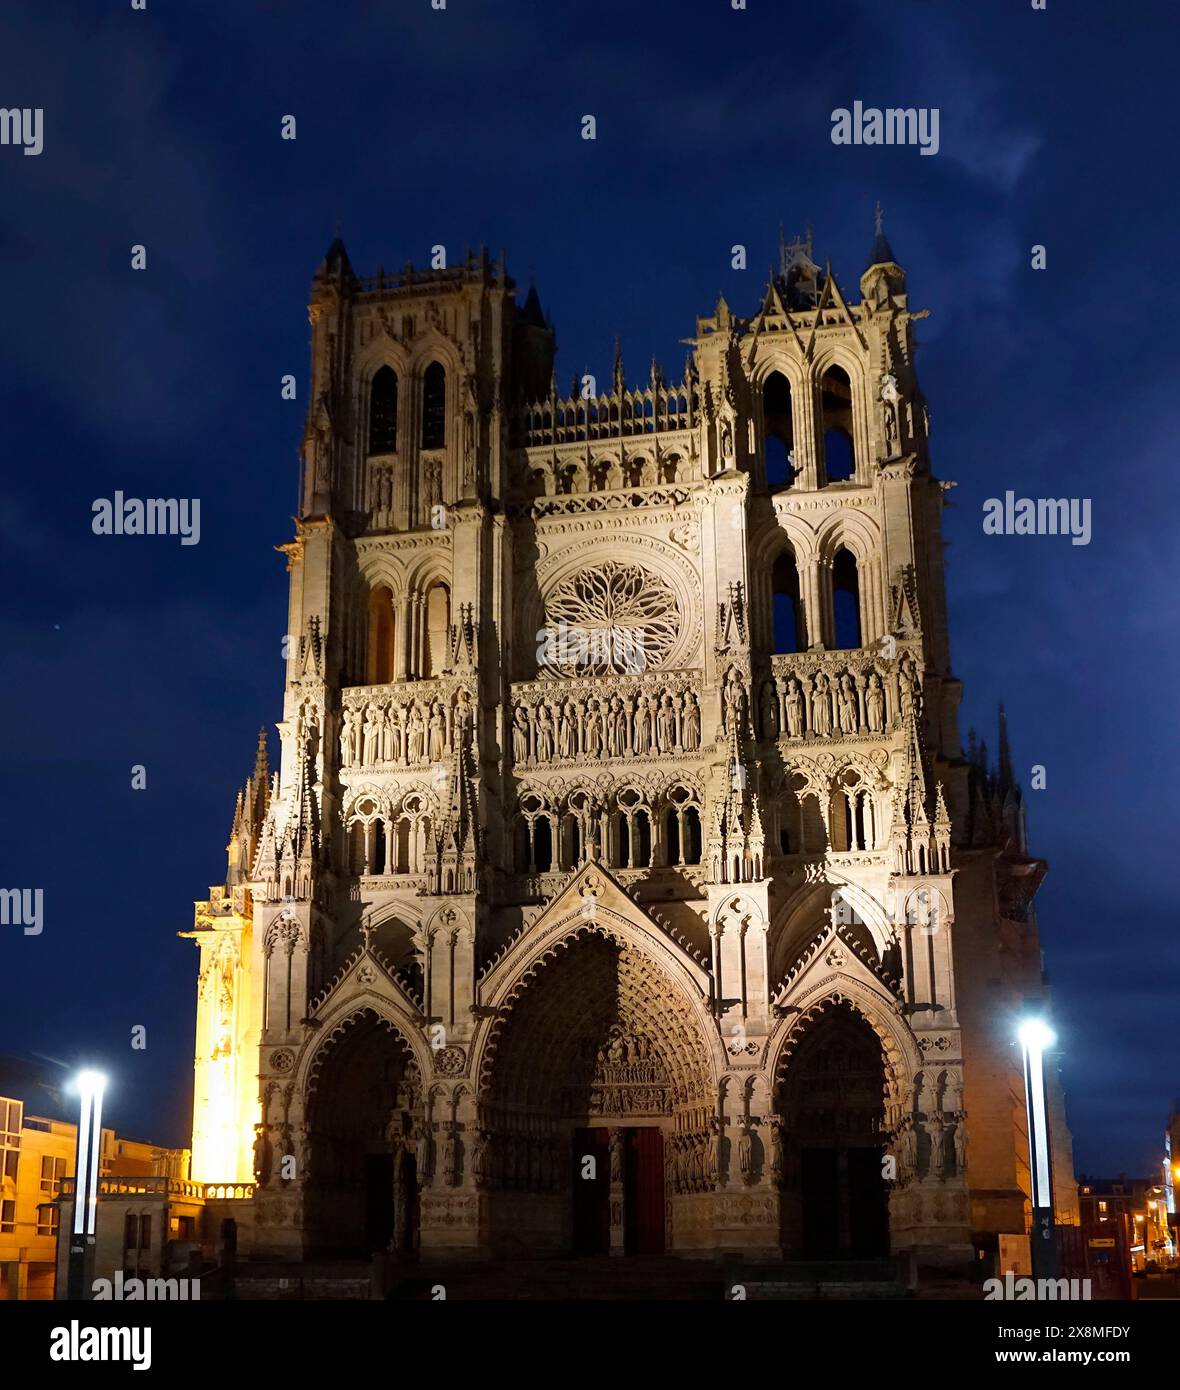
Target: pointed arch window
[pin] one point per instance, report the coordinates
(836, 417)
(383, 412)
(846, 601)
(434, 406)
(382, 627)
(779, 430)
(786, 608)
(438, 630)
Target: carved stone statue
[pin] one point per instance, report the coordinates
(909, 690)
(616, 1155)
(746, 1154)
(593, 738)
(692, 723)
(716, 1144)
(617, 729)
(566, 731)
(794, 710)
(468, 450)
(479, 1153)
(423, 1151)
(936, 1129)
(464, 719)
(847, 703)
(643, 730)
(776, 1148)
(821, 708)
(735, 704)
(875, 704)
(544, 735)
(262, 1156)
(372, 734)
(666, 726)
(416, 735)
(769, 711)
(960, 1143)
(907, 1153)
(438, 733)
(520, 737)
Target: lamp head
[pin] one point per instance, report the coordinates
(1035, 1035)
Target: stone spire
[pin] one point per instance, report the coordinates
(882, 252)
(250, 809)
(883, 279)
(1006, 779)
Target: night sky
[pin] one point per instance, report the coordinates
(462, 127)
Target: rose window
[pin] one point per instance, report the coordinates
(616, 619)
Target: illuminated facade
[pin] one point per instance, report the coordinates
(623, 885)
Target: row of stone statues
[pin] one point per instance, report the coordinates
(940, 1130)
(403, 734)
(843, 703)
(521, 1163)
(618, 726)
(698, 1161)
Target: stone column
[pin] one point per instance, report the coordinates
(617, 1191)
(813, 634)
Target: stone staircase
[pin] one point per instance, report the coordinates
(817, 1279)
(635, 1278)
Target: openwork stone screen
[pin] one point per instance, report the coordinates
(615, 619)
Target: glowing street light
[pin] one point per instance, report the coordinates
(90, 1086)
(1035, 1038)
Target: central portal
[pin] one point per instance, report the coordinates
(618, 1191)
(599, 1054)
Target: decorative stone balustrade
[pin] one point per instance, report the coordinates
(119, 1187)
(822, 695)
(597, 719)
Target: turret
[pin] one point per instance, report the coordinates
(883, 279)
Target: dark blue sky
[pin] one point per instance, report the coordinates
(462, 127)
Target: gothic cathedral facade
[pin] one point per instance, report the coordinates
(624, 884)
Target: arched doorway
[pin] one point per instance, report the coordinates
(364, 1122)
(835, 1201)
(599, 1066)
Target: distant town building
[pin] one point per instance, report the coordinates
(38, 1144)
(1128, 1215)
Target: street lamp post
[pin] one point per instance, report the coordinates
(90, 1086)
(1035, 1036)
